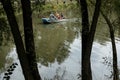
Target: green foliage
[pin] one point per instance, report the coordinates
(107, 6)
(4, 38)
(117, 6)
(48, 7)
(4, 30)
(72, 6)
(1, 10)
(45, 10)
(3, 24)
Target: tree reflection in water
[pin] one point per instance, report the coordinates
(5, 39)
(53, 44)
(60, 74)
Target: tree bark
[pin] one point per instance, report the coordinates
(88, 37)
(115, 67)
(18, 39)
(86, 69)
(29, 39)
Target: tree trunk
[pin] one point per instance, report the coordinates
(87, 37)
(115, 67)
(29, 39)
(86, 69)
(18, 39)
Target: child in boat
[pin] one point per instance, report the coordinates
(57, 15)
(62, 17)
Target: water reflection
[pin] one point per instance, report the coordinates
(58, 48)
(52, 43)
(102, 34)
(5, 42)
(4, 31)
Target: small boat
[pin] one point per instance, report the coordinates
(48, 21)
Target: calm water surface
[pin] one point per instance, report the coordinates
(58, 48)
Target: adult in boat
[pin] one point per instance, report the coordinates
(52, 17)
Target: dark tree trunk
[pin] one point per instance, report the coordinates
(115, 67)
(88, 37)
(18, 39)
(86, 70)
(29, 39)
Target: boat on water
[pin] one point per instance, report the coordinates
(49, 21)
(53, 19)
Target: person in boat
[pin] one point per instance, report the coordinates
(52, 17)
(58, 15)
(61, 15)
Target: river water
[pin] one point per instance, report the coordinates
(58, 48)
